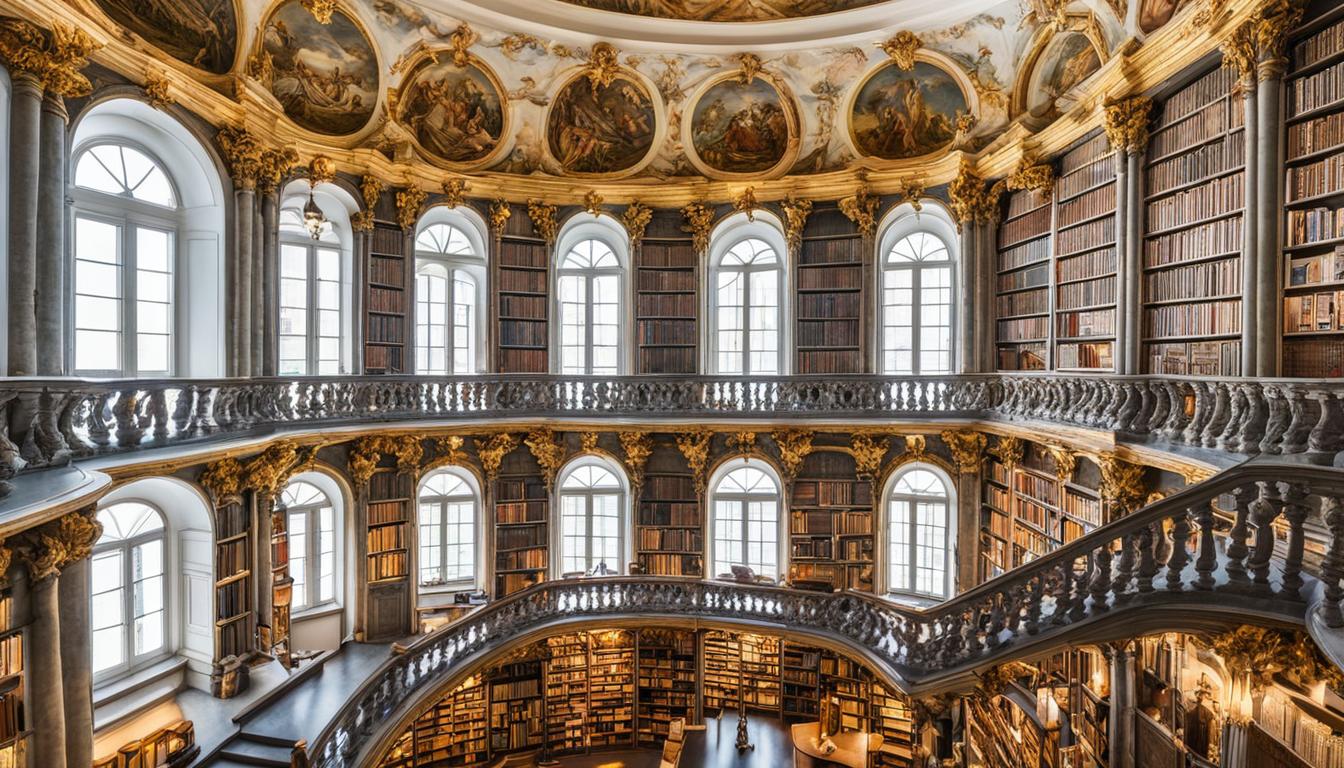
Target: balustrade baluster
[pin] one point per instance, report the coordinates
(1295, 511)
(1236, 538)
(1148, 565)
(1100, 586)
(992, 634)
(1180, 551)
(1264, 509)
(1207, 561)
(1078, 593)
(1124, 572)
(1034, 596)
(1332, 569)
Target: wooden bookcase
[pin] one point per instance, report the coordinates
(1080, 680)
(667, 301)
(611, 698)
(892, 718)
(800, 682)
(1194, 199)
(669, 525)
(522, 296)
(666, 684)
(516, 709)
(451, 733)
(282, 582)
(741, 667)
(235, 621)
(1022, 283)
(830, 286)
(1313, 305)
(387, 300)
(1085, 258)
(387, 553)
(522, 512)
(13, 688)
(567, 694)
(831, 524)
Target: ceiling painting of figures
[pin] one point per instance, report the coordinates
(601, 129)
(325, 76)
(203, 33)
(899, 114)
(741, 127)
(455, 112)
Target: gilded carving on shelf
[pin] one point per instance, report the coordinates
(1126, 124)
(603, 65)
(70, 49)
(592, 202)
(916, 445)
(868, 450)
(321, 9)
(242, 153)
(499, 215)
(745, 202)
(694, 447)
(699, 222)
(544, 220)
(1009, 450)
(749, 66)
(742, 442)
(461, 41)
(638, 447)
(971, 198)
(588, 441)
(454, 192)
(321, 170)
(222, 479)
(1066, 462)
(901, 48)
(795, 219)
(450, 449)
(548, 451)
(267, 472)
(967, 448)
(409, 201)
(1122, 483)
(636, 218)
(370, 189)
(492, 451)
(158, 92)
(1039, 177)
(794, 447)
(861, 208)
(1238, 51)
(364, 456)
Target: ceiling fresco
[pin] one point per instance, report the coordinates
(202, 33)
(725, 10)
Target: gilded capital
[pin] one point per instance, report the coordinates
(365, 454)
(968, 449)
(544, 220)
(69, 55)
(1038, 177)
(409, 202)
(699, 221)
(242, 152)
(267, 473)
(222, 479)
(970, 196)
(275, 164)
(492, 451)
(455, 192)
(548, 451)
(636, 218)
(694, 447)
(795, 219)
(1239, 54)
(868, 451)
(745, 202)
(499, 215)
(861, 208)
(1126, 123)
(794, 447)
(638, 447)
(23, 47)
(1276, 19)
(49, 548)
(1066, 462)
(370, 189)
(1009, 450)
(1122, 484)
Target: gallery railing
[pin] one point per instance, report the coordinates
(1173, 554)
(51, 421)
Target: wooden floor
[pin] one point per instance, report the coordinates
(710, 748)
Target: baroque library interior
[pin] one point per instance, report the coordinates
(671, 384)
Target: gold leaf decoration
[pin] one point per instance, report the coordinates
(742, 442)
(1126, 123)
(321, 9)
(795, 445)
(745, 202)
(1122, 484)
(915, 445)
(638, 447)
(868, 450)
(749, 66)
(222, 479)
(544, 220)
(460, 41)
(861, 208)
(450, 449)
(694, 447)
(972, 199)
(588, 441)
(409, 202)
(499, 215)
(1066, 463)
(699, 222)
(242, 153)
(592, 202)
(603, 65)
(967, 448)
(69, 55)
(492, 451)
(548, 451)
(370, 189)
(454, 192)
(364, 456)
(1009, 450)
(158, 92)
(266, 473)
(795, 219)
(636, 219)
(901, 49)
(321, 170)
(275, 165)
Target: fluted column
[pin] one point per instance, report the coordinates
(1126, 123)
(51, 252)
(270, 206)
(25, 120)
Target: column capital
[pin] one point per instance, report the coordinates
(1126, 124)
(1270, 27)
(67, 57)
(48, 549)
(1239, 53)
(243, 154)
(973, 201)
(1122, 483)
(272, 166)
(967, 447)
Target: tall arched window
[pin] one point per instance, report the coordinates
(129, 604)
(125, 251)
(747, 299)
(312, 544)
(590, 291)
(449, 516)
(918, 539)
(592, 517)
(310, 296)
(745, 501)
(917, 305)
(447, 322)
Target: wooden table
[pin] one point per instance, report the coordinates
(852, 748)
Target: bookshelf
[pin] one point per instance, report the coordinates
(522, 277)
(387, 552)
(13, 687)
(451, 733)
(831, 525)
(567, 694)
(234, 617)
(516, 709)
(892, 719)
(800, 682)
(1313, 303)
(611, 699)
(172, 746)
(1085, 258)
(741, 665)
(667, 682)
(667, 275)
(521, 514)
(847, 681)
(1022, 283)
(1194, 197)
(282, 583)
(387, 300)
(669, 527)
(830, 288)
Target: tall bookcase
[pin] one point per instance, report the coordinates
(800, 682)
(387, 300)
(667, 682)
(1085, 258)
(13, 690)
(1313, 306)
(1022, 283)
(667, 276)
(741, 667)
(522, 296)
(235, 620)
(452, 733)
(830, 285)
(611, 698)
(282, 583)
(669, 525)
(387, 554)
(516, 709)
(1194, 201)
(831, 524)
(567, 694)
(520, 525)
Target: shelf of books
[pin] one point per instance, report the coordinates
(522, 296)
(516, 711)
(567, 694)
(667, 682)
(1313, 304)
(800, 682)
(611, 694)
(451, 733)
(234, 619)
(1022, 283)
(282, 584)
(671, 536)
(830, 295)
(892, 719)
(1194, 198)
(848, 682)
(741, 665)
(13, 690)
(521, 514)
(666, 303)
(1085, 258)
(387, 553)
(1006, 731)
(831, 525)
(387, 300)
(1028, 512)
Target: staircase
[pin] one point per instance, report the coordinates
(252, 749)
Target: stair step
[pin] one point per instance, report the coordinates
(244, 749)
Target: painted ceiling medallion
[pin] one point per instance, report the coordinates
(900, 114)
(455, 111)
(725, 10)
(203, 33)
(325, 76)
(742, 128)
(601, 129)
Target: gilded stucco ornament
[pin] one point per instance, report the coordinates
(745, 202)
(636, 218)
(409, 202)
(861, 208)
(638, 447)
(911, 191)
(158, 92)
(242, 152)
(47, 549)
(6, 559)
(742, 442)
(548, 451)
(1122, 483)
(321, 9)
(699, 222)
(364, 456)
(454, 192)
(77, 532)
(901, 48)
(267, 472)
(868, 450)
(461, 41)
(916, 445)
(1009, 450)
(23, 47)
(1238, 51)
(492, 451)
(1272, 25)
(972, 200)
(275, 164)
(544, 220)
(794, 447)
(967, 448)
(69, 55)
(500, 211)
(321, 170)
(795, 219)
(694, 447)
(592, 202)
(588, 441)
(222, 479)
(370, 189)
(450, 449)
(1126, 124)
(43, 554)
(749, 66)
(603, 65)
(1038, 177)
(1066, 463)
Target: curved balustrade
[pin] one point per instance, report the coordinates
(1176, 553)
(53, 420)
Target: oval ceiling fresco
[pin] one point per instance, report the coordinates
(1068, 59)
(741, 127)
(899, 114)
(454, 112)
(601, 129)
(725, 10)
(203, 33)
(325, 76)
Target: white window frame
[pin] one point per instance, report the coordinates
(733, 230)
(889, 497)
(312, 548)
(127, 214)
(131, 662)
(747, 273)
(716, 564)
(624, 541)
(313, 338)
(610, 233)
(935, 221)
(473, 495)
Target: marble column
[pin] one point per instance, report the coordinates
(24, 171)
(986, 235)
(1120, 721)
(51, 253)
(969, 244)
(77, 661)
(45, 708)
(1249, 243)
(270, 266)
(968, 530)
(258, 285)
(1268, 212)
(1126, 282)
(244, 197)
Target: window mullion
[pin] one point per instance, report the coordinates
(746, 322)
(130, 363)
(313, 331)
(916, 319)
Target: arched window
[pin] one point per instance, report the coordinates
(918, 538)
(917, 305)
(592, 517)
(449, 515)
(129, 601)
(125, 252)
(745, 501)
(747, 299)
(311, 320)
(312, 544)
(590, 292)
(447, 283)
